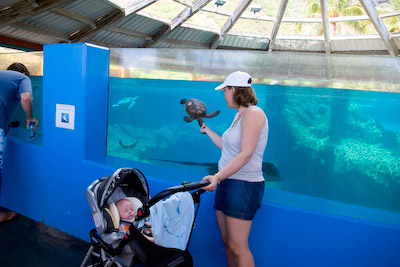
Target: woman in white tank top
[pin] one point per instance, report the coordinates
(240, 181)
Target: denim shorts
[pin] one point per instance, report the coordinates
(239, 199)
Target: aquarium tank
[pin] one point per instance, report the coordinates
(334, 132)
(34, 62)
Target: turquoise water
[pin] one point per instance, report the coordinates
(341, 145)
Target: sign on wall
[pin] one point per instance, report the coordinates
(65, 116)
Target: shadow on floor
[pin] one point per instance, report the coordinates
(25, 242)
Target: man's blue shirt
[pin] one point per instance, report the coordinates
(12, 85)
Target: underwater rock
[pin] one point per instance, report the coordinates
(359, 144)
(196, 109)
(371, 160)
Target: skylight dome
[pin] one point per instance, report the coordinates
(319, 26)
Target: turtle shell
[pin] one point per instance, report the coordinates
(195, 108)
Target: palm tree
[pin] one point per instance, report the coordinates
(392, 23)
(338, 8)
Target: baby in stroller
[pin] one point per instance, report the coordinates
(121, 207)
(127, 214)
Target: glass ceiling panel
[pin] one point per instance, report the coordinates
(229, 6)
(165, 9)
(296, 9)
(260, 27)
(213, 7)
(208, 20)
(387, 5)
(259, 22)
(341, 8)
(392, 24)
(302, 29)
(268, 8)
(361, 27)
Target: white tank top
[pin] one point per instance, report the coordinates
(252, 170)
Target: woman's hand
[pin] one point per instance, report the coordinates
(213, 183)
(204, 128)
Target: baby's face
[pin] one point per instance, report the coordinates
(125, 209)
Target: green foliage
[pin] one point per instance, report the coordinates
(338, 8)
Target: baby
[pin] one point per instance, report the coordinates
(127, 215)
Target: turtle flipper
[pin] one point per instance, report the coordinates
(200, 120)
(132, 104)
(183, 101)
(212, 114)
(187, 119)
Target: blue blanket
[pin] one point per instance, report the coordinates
(172, 220)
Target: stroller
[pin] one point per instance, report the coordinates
(108, 246)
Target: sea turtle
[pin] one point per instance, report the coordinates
(196, 110)
(126, 100)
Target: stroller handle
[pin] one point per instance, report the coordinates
(145, 210)
(175, 189)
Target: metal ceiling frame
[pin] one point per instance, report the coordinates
(177, 21)
(325, 25)
(24, 9)
(13, 16)
(241, 7)
(138, 5)
(380, 26)
(277, 23)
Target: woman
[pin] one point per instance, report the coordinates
(239, 179)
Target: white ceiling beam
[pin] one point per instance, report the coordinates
(138, 5)
(325, 24)
(188, 12)
(380, 27)
(179, 19)
(24, 9)
(241, 7)
(277, 24)
(389, 14)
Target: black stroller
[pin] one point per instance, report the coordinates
(108, 247)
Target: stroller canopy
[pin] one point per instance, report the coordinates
(123, 182)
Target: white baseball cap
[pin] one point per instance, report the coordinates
(237, 79)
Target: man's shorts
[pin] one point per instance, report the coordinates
(239, 199)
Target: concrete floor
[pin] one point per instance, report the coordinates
(25, 242)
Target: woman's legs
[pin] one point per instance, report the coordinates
(235, 234)
(221, 218)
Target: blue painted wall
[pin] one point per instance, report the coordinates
(47, 182)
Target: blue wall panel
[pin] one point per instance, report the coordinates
(49, 184)
(21, 184)
(75, 75)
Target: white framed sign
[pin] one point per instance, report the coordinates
(65, 116)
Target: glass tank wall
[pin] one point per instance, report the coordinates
(34, 62)
(334, 128)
